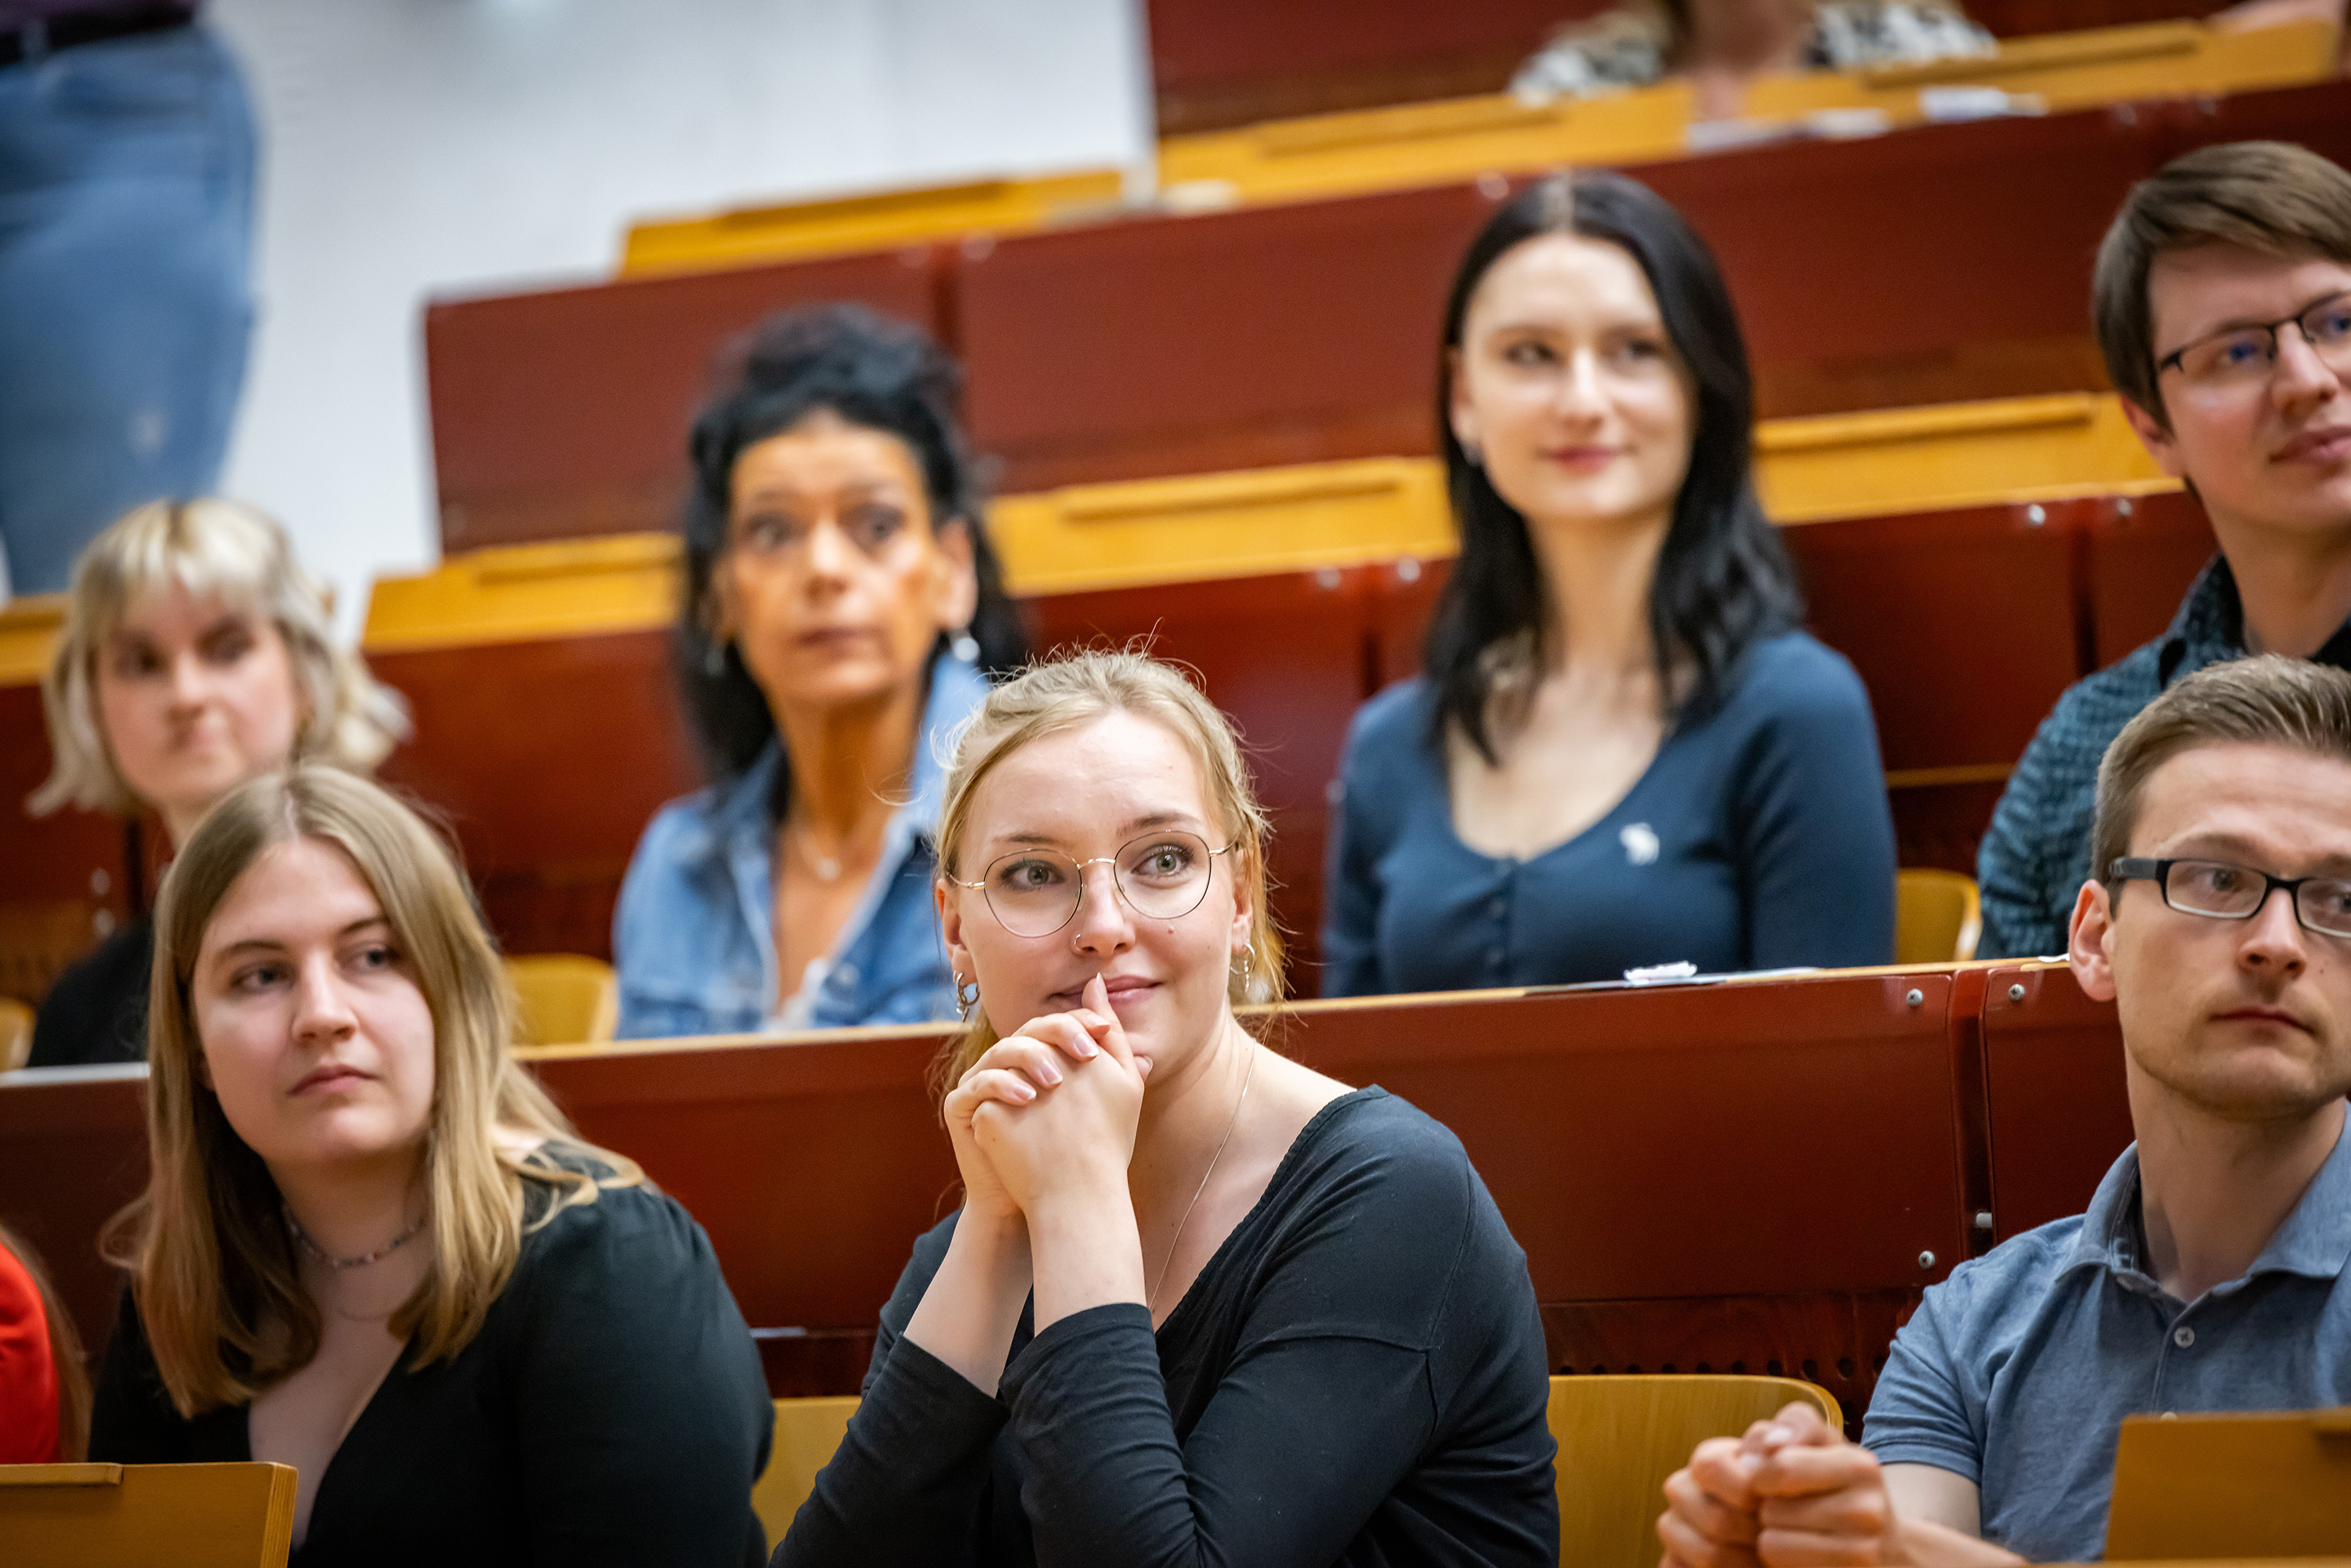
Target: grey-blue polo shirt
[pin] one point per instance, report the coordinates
(2018, 1370)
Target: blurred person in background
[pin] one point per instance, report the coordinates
(126, 226)
(196, 654)
(1624, 751)
(2222, 301)
(841, 606)
(1721, 46)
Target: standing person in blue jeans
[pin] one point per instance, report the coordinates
(1623, 752)
(841, 605)
(126, 228)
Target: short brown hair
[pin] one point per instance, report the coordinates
(2269, 700)
(2267, 196)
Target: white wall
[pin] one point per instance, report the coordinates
(421, 147)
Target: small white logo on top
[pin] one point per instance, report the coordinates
(1640, 841)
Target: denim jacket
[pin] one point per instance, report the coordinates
(694, 937)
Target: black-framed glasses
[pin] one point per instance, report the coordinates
(1036, 891)
(2226, 892)
(2245, 355)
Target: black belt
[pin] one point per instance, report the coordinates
(48, 36)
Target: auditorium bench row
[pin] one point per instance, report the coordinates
(1959, 257)
(1352, 153)
(1965, 621)
(1754, 1175)
(1966, 626)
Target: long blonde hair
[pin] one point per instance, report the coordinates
(207, 546)
(217, 1280)
(1063, 693)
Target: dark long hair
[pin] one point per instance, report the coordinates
(1723, 580)
(870, 371)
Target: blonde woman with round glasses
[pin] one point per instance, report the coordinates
(196, 654)
(373, 1250)
(1200, 1303)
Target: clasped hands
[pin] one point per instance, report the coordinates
(1791, 1492)
(1051, 1109)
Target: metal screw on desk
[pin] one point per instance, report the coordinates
(2034, 516)
(1327, 579)
(1983, 1219)
(2016, 993)
(2122, 507)
(1925, 1259)
(1914, 998)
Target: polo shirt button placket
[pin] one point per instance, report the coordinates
(2183, 1336)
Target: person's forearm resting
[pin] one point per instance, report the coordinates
(1085, 1252)
(1939, 1518)
(967, 1315)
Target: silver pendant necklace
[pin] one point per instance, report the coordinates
(827, 867)
(1151, 1293)
(302, 1239)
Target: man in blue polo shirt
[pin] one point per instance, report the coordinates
(2209, 1271)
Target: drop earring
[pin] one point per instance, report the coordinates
(966, 998)
(713, 660)
(966, 646)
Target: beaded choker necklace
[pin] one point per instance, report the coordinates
(302, 1239)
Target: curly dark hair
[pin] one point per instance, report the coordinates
(870, 371)
(1724, 582)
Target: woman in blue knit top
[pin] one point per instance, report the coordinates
(1623, 752)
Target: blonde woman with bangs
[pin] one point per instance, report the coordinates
(1201, 1303)
(371, 1247)
(195, 655)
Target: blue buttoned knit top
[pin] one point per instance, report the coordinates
(694, 937)
(1759, 838)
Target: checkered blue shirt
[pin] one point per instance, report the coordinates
(2036, 855)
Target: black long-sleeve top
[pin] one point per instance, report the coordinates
(97, 1011)
(612, 1410)
(1356, 1377)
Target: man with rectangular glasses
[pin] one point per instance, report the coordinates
(2222, 304)
(2210, 1273)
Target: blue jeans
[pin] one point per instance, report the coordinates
(126, 224)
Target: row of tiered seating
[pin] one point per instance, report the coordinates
(1878, 1126)
(1960, 259)
(1297, 593)
(2206, 1486)
(1921, 267)
(1313, 157)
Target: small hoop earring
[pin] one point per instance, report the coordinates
(966, 998)
(1247, 960)
(966, 646)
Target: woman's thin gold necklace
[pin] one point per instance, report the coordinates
(1151, 1295)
